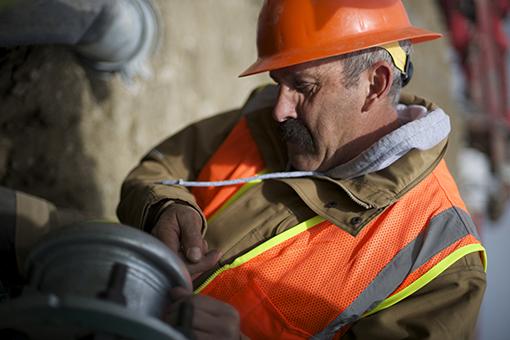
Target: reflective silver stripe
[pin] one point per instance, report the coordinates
(443, 230)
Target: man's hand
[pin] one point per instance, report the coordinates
(210, 318)
(180, 228)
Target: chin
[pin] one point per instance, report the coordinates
(303, 163)
(302, 160)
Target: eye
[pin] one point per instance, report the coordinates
(301, 87)
(306, 88)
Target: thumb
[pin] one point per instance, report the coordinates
(179, 293)
(208, 262)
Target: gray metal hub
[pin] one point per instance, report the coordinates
(97, 278)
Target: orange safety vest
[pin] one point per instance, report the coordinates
(315, 279)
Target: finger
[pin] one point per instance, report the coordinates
(207, 262)
(223, 324)
(167, 230)
(191, 234)
(212, 306)
(204, 321)
(201, 335)
(168, 235)
(178, 293)
(180, 313)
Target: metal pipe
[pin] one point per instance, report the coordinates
(98, 279)
(109, 35)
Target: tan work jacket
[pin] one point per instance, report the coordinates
(447, 308)
(25, 219)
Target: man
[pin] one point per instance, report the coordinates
(349, 223)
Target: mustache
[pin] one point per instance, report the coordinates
(295, 132)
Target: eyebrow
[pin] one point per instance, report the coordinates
(292, 78)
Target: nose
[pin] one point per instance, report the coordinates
(285, 105)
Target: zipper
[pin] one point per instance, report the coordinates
(211, 274)
(210, 278)
(355, 199)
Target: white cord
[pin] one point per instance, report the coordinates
(273, 175)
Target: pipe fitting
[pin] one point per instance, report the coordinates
(97, 278)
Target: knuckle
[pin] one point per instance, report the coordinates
(194, 223)
(190, 218)
(168, 213)
(165, 223)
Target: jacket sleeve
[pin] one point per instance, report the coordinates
(25, 220)
(446, 308)
(181, 156)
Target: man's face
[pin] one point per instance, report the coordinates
(319, 117)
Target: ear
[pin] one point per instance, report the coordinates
(380, 79)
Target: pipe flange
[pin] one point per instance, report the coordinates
(80, 260)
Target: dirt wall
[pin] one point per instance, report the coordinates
(71, 135)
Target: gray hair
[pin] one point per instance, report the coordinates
(356, 62)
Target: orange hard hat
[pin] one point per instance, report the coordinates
(292, 32)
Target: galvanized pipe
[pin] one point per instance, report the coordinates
(111, 35)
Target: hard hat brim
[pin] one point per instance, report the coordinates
(345, 45)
